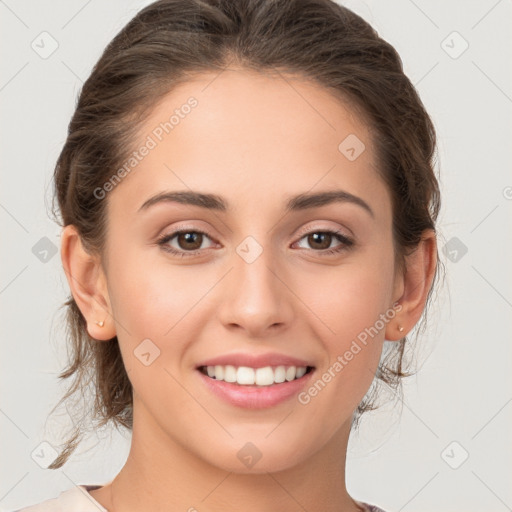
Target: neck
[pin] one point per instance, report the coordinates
(162, 475)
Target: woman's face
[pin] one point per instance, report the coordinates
(265, 278)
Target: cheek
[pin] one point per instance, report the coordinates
(351, 305)
(150, 295)
(349, 297)
(158, 300)
(152, 304)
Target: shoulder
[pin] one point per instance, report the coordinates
(76, 499)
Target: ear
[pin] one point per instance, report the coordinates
(413, 285)
(88, 284)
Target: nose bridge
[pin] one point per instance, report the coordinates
(255, 283)
(257, 298)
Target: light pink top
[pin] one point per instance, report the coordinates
(78, 499)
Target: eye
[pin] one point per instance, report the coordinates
(321, 241)
(187, 242)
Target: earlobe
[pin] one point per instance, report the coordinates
(87, 283)
(418, 275)
(395, 331)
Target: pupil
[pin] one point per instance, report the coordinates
(323, 237)
(190, 238)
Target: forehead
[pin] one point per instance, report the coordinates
(239, 130)
(253, 107)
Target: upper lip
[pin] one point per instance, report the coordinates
(254, 361)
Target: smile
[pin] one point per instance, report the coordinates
(246, 376)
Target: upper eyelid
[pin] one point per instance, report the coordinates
(337, 231)
(301, 232)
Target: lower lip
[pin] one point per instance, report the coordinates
(256, 397)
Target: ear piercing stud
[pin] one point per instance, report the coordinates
(400, 328)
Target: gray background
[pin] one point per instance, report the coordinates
(459, 404)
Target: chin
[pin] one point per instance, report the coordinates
(256, 458)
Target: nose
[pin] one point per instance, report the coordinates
(256, 298)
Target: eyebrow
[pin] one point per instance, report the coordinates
(295, 203)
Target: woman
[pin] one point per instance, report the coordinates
(248, 206)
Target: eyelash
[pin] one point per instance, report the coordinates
(346, 242)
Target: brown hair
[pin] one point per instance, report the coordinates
(164, 45)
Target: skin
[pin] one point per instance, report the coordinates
(255, 140)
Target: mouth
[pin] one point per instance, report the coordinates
(256, 377)
(255, 388)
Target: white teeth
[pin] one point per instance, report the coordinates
(290, 373)
(245, 375)
(279, 374)
(218, 372)
(229, 373)
(266, 376)
(301, 370)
